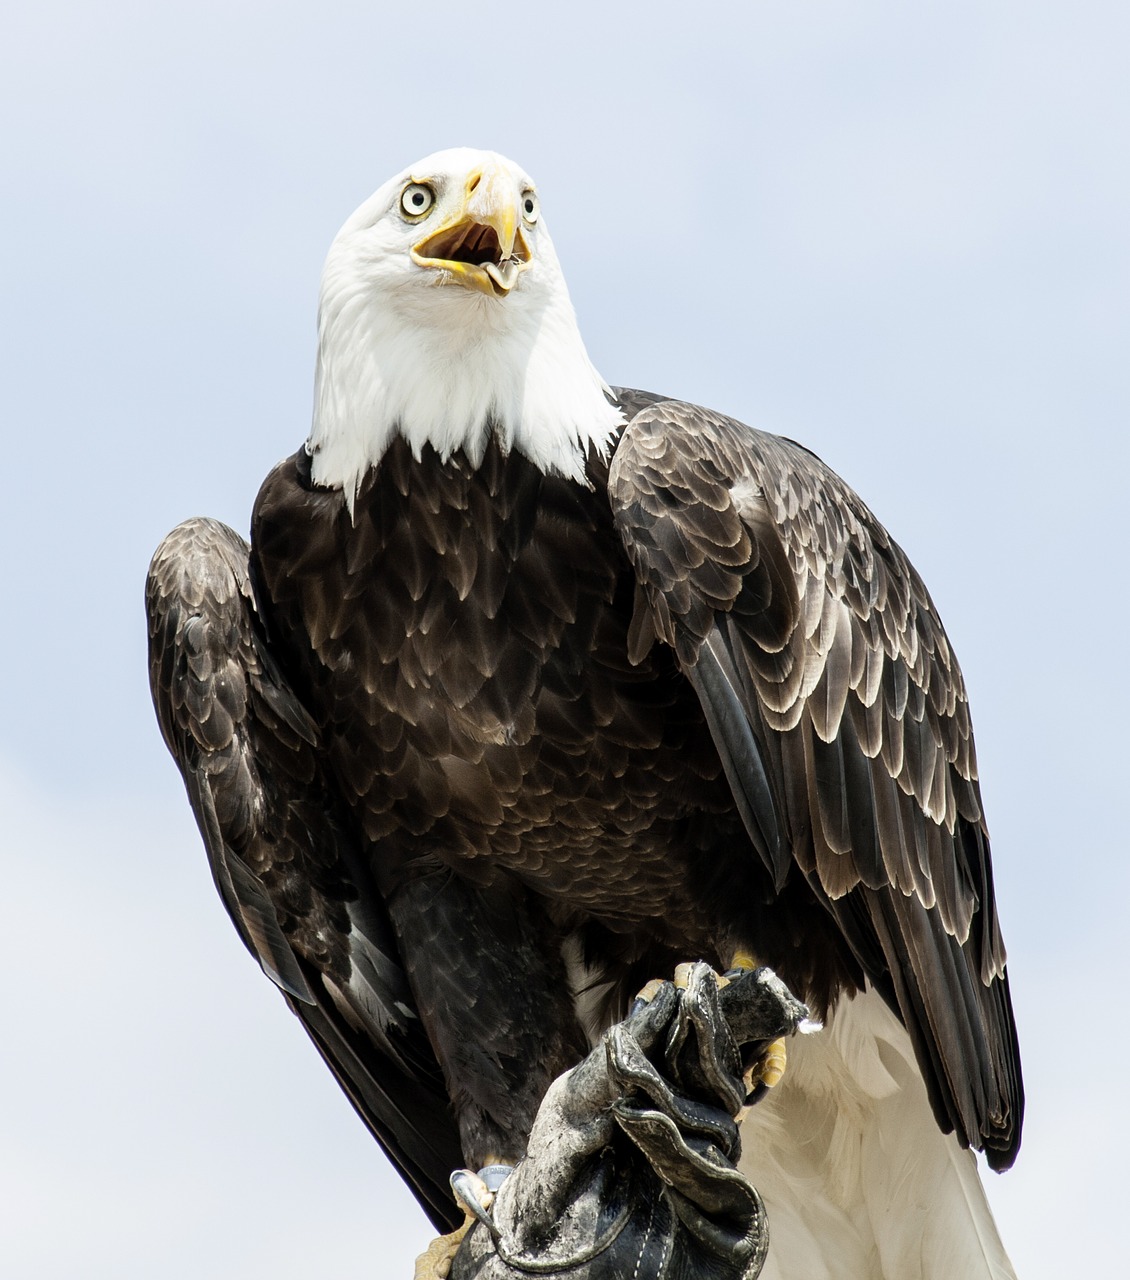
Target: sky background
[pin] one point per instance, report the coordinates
(895, 232)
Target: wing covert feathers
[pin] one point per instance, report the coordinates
(787, 601)
(282, 852)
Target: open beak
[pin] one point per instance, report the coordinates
(482, 246)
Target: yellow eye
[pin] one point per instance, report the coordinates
(416, 199)
(529, 207)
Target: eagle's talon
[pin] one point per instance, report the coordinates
(472, 1193)
(476, 1191)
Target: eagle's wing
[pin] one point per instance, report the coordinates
(282, 853)
(840, 715)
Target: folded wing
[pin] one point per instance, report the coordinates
(841, 718)
(283, 853)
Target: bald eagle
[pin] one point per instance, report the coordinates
(527, 685)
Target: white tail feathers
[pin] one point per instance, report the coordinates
(858, 1181)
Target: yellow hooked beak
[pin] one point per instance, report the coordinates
(482, 245)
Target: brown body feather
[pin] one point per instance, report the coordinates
(705, 703)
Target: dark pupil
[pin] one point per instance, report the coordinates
(417, 198)
(529, 206)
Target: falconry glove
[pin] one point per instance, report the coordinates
(631, 1168)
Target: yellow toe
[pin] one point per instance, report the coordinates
(771, 1069)
(435, 1262)
(648, 992)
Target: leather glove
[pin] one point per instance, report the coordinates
(630, 1171)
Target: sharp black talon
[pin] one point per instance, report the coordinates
(473, 1194)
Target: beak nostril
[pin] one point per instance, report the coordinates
(473, 181)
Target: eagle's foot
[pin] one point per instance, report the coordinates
(647, 993)
(475, 1191)
(435, 1262)
(475, 1194)
(769, 1068)
(680, 980)
(741, 962)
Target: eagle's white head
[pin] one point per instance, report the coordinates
(444, 316)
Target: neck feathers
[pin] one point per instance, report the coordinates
(440, 366)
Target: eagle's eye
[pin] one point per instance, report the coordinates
(416, 199)
(529, 207)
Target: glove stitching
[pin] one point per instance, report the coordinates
(646, 1238)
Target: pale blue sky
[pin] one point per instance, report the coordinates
(897, 233)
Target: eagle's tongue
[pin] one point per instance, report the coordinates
(503, 273)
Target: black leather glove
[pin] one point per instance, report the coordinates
(630, 1172)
